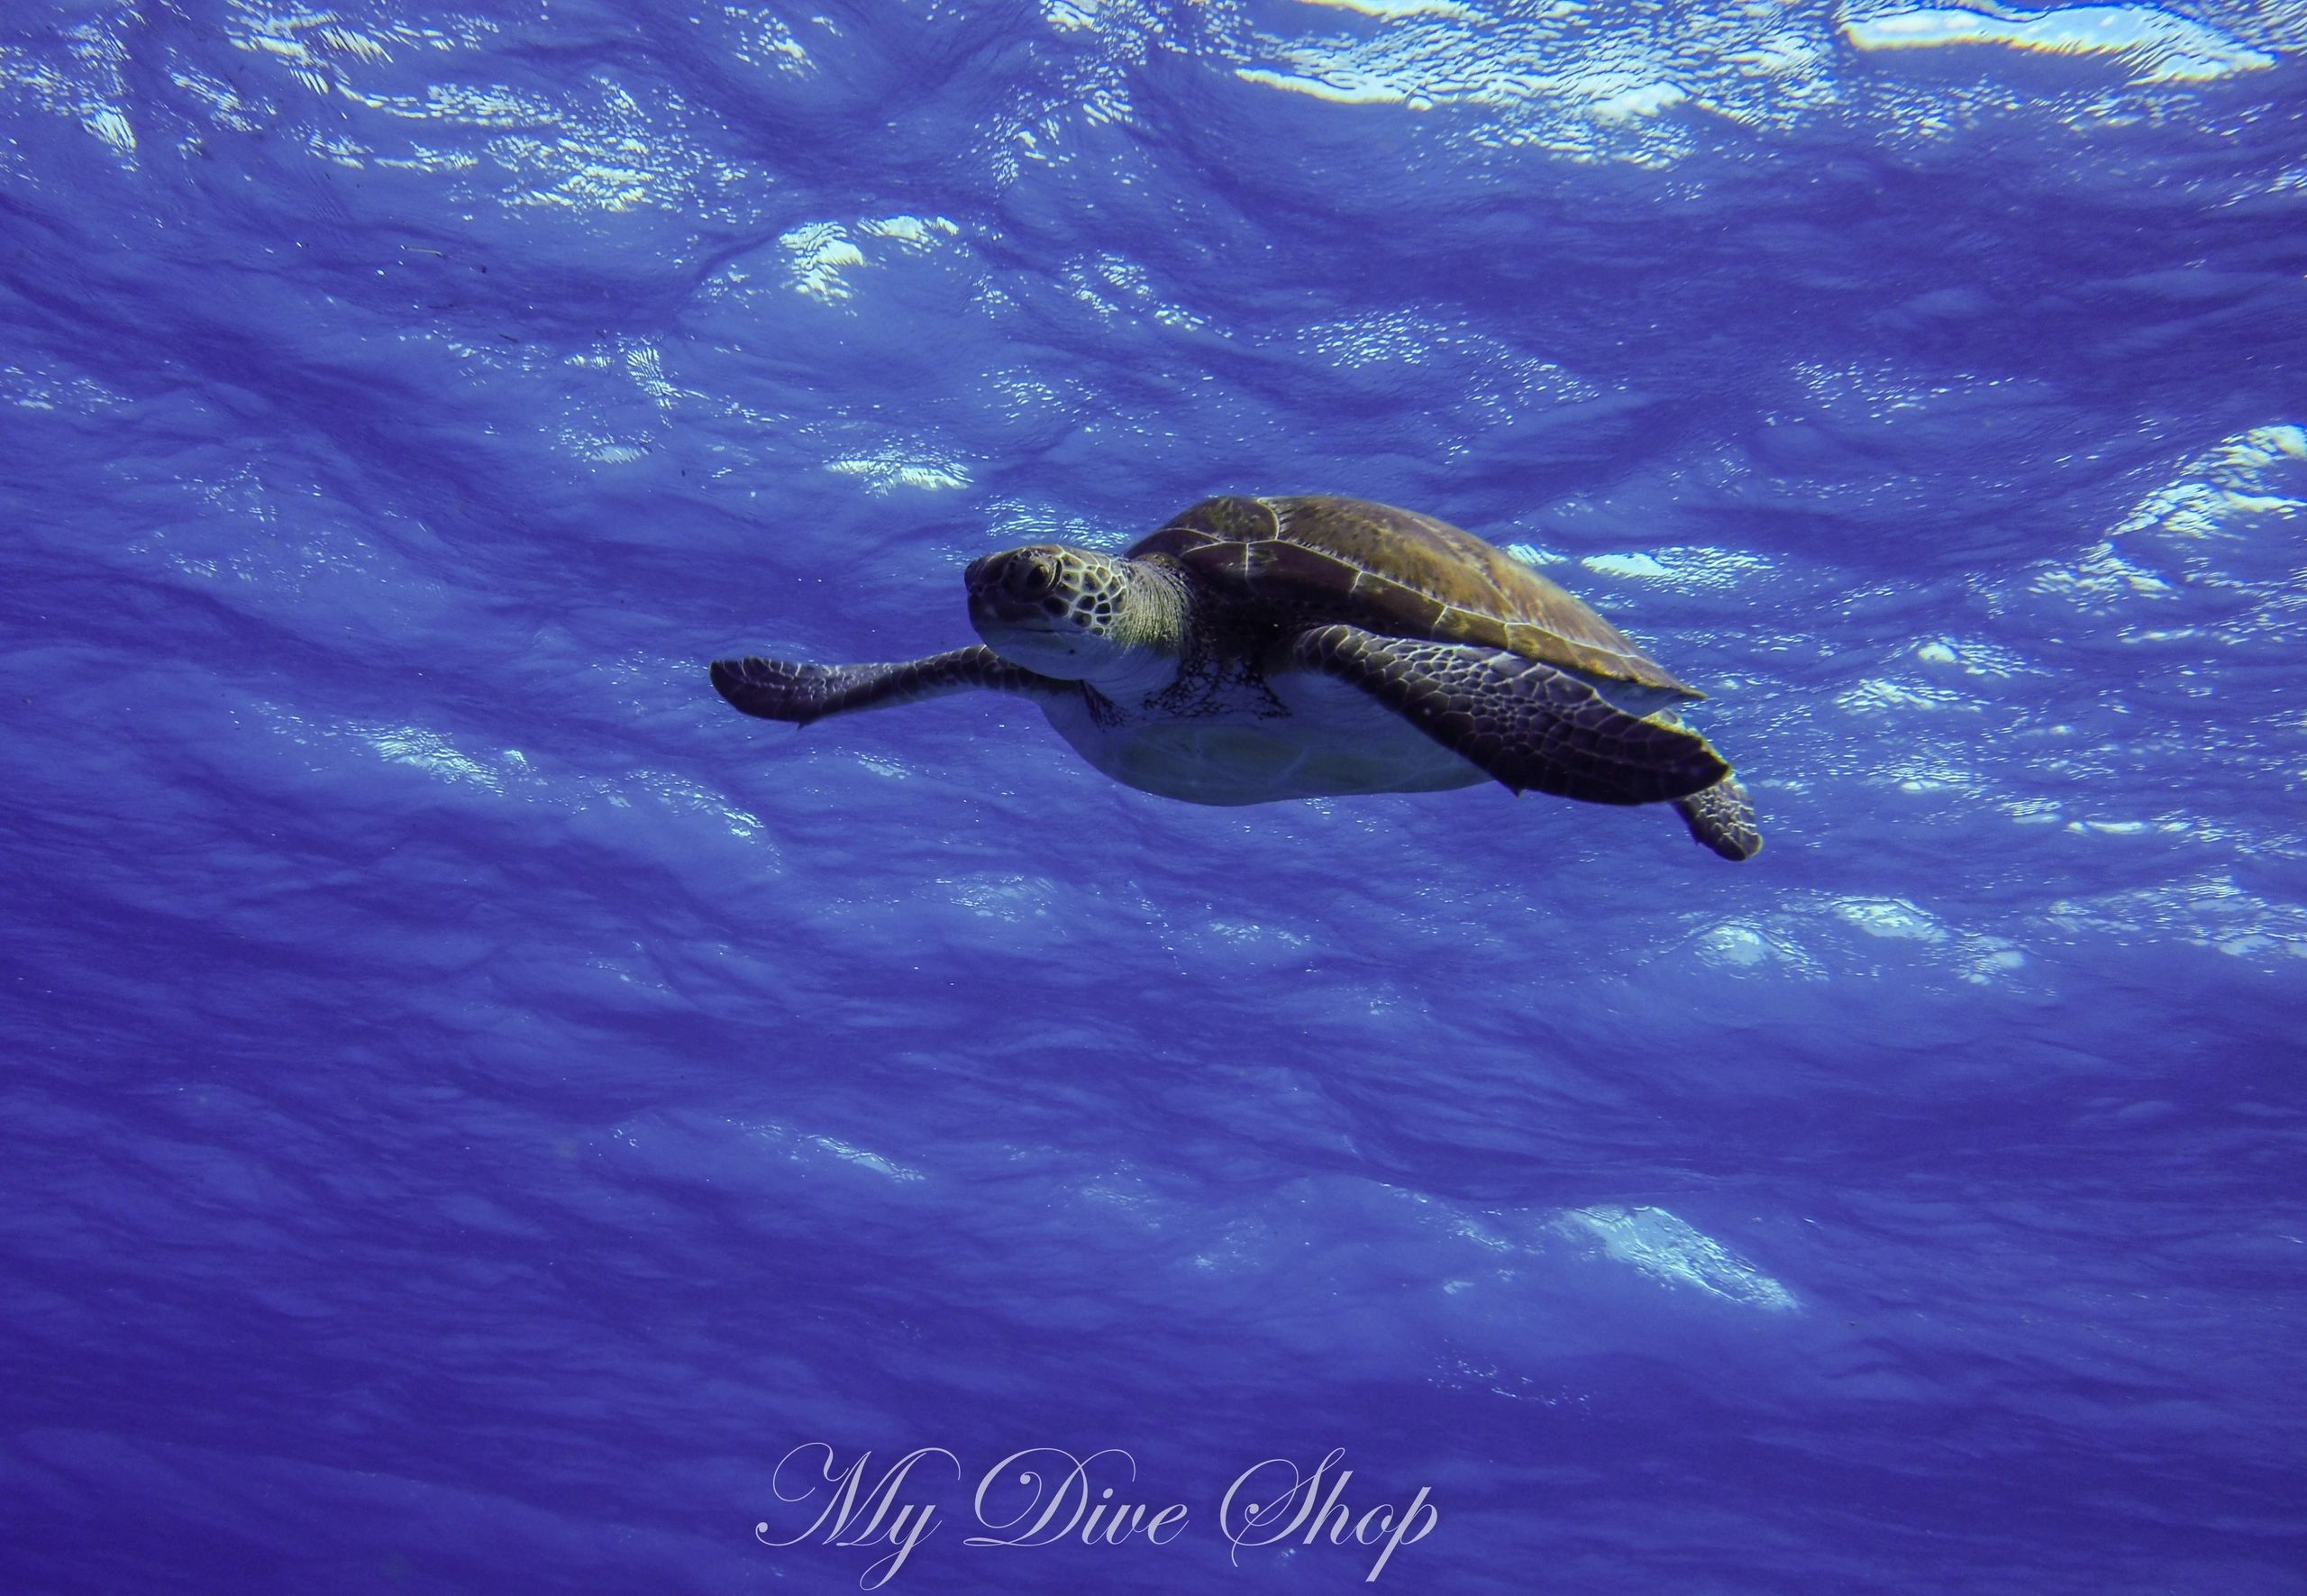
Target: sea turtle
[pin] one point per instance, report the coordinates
(1255, 649)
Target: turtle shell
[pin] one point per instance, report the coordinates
(1316, 561)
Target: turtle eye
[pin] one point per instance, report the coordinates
(1035, 578)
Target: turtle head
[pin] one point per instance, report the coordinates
(1079, 616)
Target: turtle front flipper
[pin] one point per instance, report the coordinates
(1525, 722)
(782, 689)
(1723, 818)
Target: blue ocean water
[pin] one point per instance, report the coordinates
(481, 1115)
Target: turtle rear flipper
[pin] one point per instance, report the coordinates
(1525, 722)
(783, 689)
(1723, 818)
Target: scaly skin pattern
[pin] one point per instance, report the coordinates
(1529, 725)
(1722, 817)
(781, 689)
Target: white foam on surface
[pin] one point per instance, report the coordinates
(803, 1148)
(1689, 570)
(820, 252)
(1673, 1253)
(885, 469)
(2153, 45)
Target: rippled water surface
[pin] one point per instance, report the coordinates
(474, 1104)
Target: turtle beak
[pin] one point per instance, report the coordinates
(1007, 588)
(1016, 606)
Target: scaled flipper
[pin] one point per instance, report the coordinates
(781, 689)
(1723, 818)
(1525, 722)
